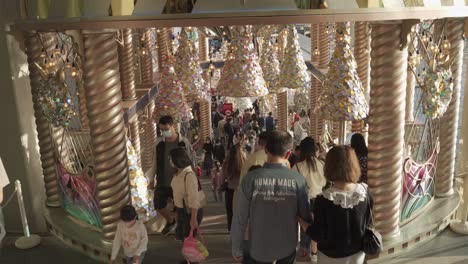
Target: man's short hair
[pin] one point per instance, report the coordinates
(262, 138)
(166, 120)
(278, 143)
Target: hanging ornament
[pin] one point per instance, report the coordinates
(55, 98)
(437, 93)
(188, 70)
(301, 100)
(242, 75)
(170, 98)
(270, 67)
(446, 45)
(343, 95)
(294, 73)
(224, 50)
(281, 40)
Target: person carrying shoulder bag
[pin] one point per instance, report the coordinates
(189, 198)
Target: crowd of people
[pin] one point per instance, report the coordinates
(275, 183)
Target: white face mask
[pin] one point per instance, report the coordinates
(167, 133)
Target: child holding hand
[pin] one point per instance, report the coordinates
(131, 235)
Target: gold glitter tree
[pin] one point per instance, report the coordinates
(343, 94)
(188, 70)
(293, 68)
(270, 67)
(242, 75)
(170, 99)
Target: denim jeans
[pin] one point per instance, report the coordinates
(305, 240)
(130, 259)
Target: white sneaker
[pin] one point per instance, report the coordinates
(313, 258)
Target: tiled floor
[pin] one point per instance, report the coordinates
(448, 248)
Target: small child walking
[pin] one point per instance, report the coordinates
(215, 178)
(131, 235)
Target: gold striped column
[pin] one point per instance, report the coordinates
(203, 47)
(134, 128)
(126, 64)
(153, 134)
(282, 111)
(162, 37)
(315, 86)
(145, 139)
(410, 83)
(361, 48)
(323, 60)
(205, 120)
(386, 125)
(449, 122)
(104, 98)
(324, 47)
(147, 60)
(34, 45)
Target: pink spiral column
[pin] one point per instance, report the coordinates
(386, 125)
(449, 122)
(361, 48)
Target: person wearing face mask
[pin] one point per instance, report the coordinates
(162, 171)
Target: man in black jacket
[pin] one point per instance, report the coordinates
(162, 170)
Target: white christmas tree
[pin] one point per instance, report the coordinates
(343, 95)
(242, 75)
(189, 71)
(270, 67)
(170, 98)
(293, 68)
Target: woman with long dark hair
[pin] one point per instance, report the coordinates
(312, 169)
(230, 177)
(358, 143)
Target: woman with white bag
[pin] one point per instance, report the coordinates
(189, 198)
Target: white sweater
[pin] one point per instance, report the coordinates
(134, 240)
(315, 180)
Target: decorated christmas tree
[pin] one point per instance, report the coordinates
(293, 68)
(224, 50)
(188, 70)
(270, 67)
(242, 75)
(343, 95)
(170, 99)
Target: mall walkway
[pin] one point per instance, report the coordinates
(448, 248)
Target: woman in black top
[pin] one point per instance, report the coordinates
(341, 212)
(359, 145)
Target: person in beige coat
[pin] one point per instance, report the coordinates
(312, 169)
(189, 198)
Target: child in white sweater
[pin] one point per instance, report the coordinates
(131, 235)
